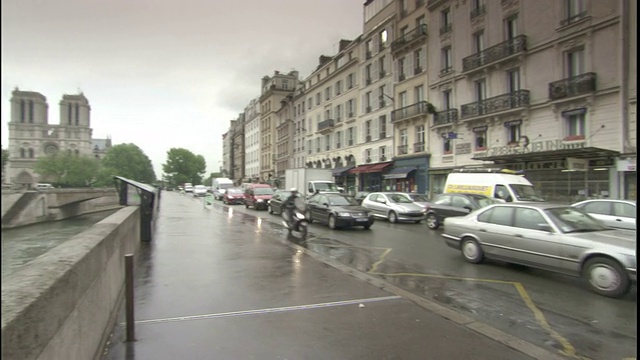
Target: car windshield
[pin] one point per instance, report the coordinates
(419, 197)
(263, 191)
(342, 200)
(526, 193)
(326, 186)
(400, 198)
(234, 191)
(572, 220)
(284, 194)
(225, 186)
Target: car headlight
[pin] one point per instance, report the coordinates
(345, 214)
(260, 200)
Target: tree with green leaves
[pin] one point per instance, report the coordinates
(129, 161)
(68, 170)
(183, 166)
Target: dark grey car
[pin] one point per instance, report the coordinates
(455, 204)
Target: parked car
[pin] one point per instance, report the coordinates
(553, 237)
(454, 204)
(420, 199)
(360, 195)
(275, 205)
(395, 206)
(233, 196)
(614, 213)
(257, 195)
(199, 190)
(338, 210)
(44, 186)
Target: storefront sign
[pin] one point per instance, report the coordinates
(464, 148)
(626, 164)
(577, 164)
(537, 165)
(535, 146)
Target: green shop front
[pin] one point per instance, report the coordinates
(408, 175)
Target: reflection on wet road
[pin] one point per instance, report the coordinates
(21, 245)
(552, 311)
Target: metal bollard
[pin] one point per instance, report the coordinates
(128, 266)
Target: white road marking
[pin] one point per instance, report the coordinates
(265, 311)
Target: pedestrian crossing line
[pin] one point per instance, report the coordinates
(266, 311)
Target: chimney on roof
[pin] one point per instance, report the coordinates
(324, 59)
(343, 44)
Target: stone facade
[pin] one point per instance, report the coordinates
(32, 137)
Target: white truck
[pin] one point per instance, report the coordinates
(219, 186)
(308, 181)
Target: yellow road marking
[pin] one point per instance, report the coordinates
(568, 349)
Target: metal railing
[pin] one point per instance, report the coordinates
(448, 116)
(403, 149)
(419, 31)
(409, 111)
(325, 124)
(418, 147)
(572, 86)
(500, 51)
(513, 100)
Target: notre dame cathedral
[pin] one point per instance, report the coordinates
(31, 136)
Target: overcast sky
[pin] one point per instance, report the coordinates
(164, 74)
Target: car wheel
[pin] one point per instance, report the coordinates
(270, 209)
(418, 221)
(332, 222)
(432, 221)
(606, 277)
(393, 218)
(246, 205)
(308, 216)
(471, 251)
(367, 227)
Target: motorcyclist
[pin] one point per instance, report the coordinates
(290, 203)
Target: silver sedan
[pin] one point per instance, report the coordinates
(553, 237)
(614, 213)
(395, 206)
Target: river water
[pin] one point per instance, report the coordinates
(23, 244)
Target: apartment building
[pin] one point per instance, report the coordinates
(410, 119)
(540, 86)
(238, 146)
(299, 130)
(375, 142)
(227, 153)
(273, 90)
(331, 127)
(284, 138)
(252, 141)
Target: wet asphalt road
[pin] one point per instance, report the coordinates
(220, 284)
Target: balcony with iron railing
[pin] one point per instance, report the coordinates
(415, 36)
(403, 149)
(326, 126)
(573, 86)
(419, 147)
(445, 117)
(496, 53)
(509, 101)
(432, 4)
(407, 112)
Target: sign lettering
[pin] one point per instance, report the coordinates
(536, 146)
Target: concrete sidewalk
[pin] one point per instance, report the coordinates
(219, 284)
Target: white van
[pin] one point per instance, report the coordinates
(220, 186)
(503, 184)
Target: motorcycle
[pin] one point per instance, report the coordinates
(299, 221)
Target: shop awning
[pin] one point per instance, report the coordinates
(582, 153)
(399, 173)
(341, 170)
(369, 168)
